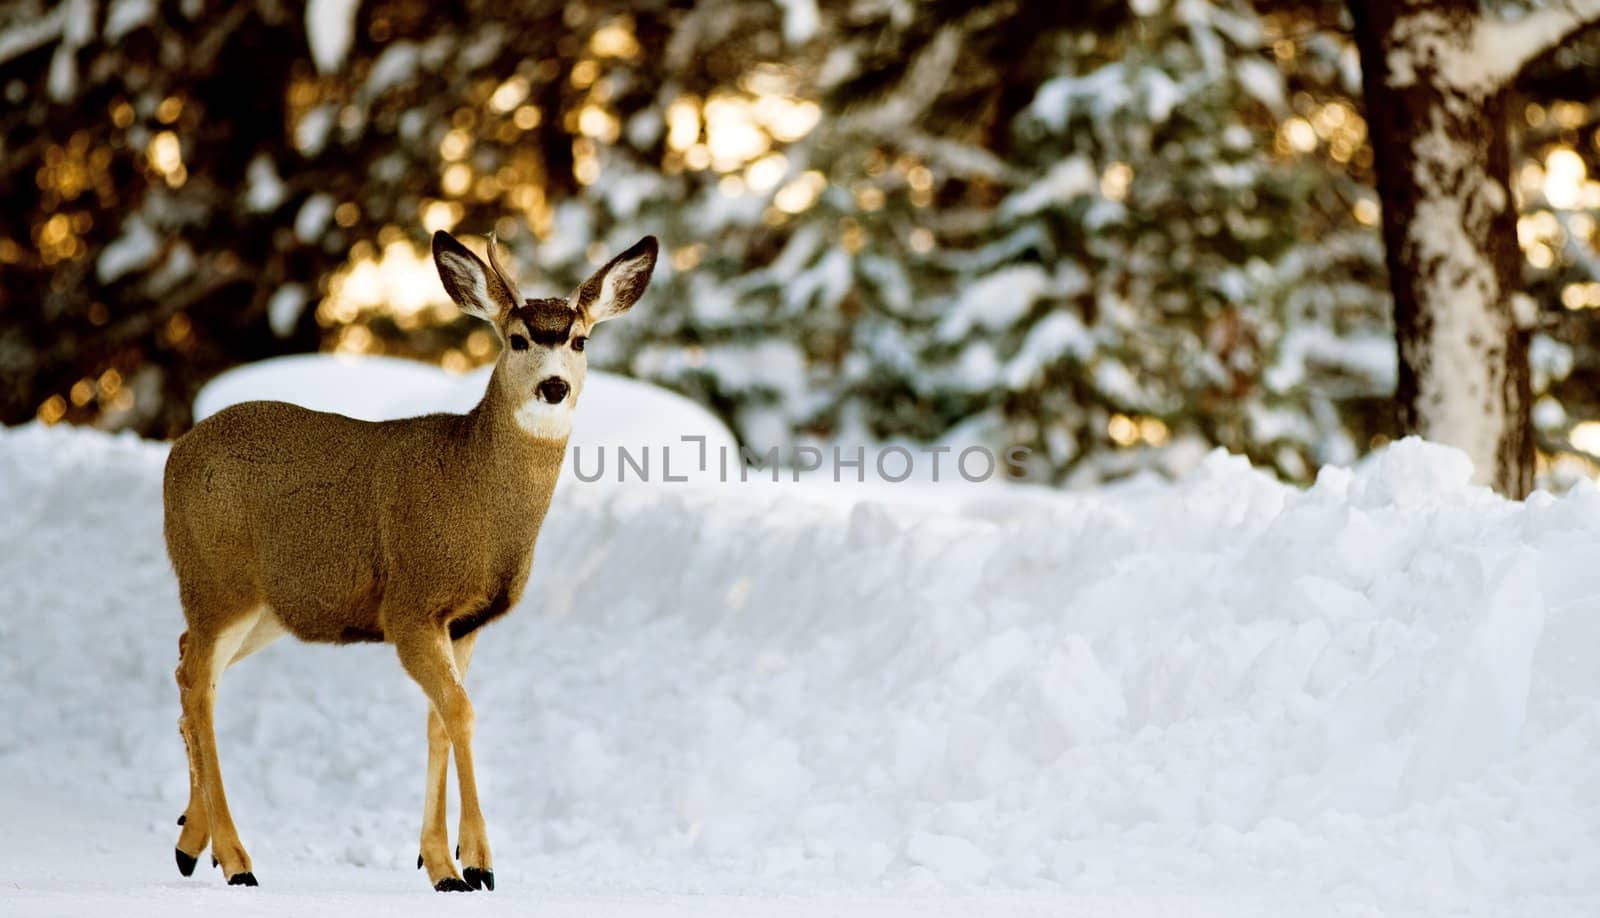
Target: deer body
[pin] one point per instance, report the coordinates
(416, 532)
(330, 515)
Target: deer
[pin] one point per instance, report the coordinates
(417, 533)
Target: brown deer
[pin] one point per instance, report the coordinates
(281, 520)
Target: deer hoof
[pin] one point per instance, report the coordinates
(185, 862)
(183, 818)
(479, 879)
(452, 884)
(242, 879)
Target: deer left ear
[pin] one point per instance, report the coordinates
(614, 288)
(478, 289)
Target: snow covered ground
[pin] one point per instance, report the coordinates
(1222, 696)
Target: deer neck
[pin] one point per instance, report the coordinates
(532, 459)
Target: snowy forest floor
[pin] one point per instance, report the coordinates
(1223, 696)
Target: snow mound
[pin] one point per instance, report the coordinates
(1379, 694)
(615, 413)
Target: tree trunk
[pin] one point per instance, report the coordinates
(1449, 226)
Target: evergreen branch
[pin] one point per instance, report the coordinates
(29, 34)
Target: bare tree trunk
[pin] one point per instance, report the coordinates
(1449, 225)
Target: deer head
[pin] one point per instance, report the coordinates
(542, 360)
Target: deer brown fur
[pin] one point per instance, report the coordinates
(416, 532)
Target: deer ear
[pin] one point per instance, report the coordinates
(478, 289)
(614, 288)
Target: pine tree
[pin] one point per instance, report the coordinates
(1077, 233)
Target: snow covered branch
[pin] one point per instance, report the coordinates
(28, 34)
(925, 78)
(1479, 56)
(1508, 46)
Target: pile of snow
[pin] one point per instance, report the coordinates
(1219, 696)
(614, 414)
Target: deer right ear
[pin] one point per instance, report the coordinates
(473, 285)
(613, 289)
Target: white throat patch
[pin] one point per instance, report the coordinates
(544, 420)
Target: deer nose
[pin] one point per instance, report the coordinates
(554, 390)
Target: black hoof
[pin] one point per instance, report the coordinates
(185, 863)
(452, 884)
(183, 818)
(215, 862)
(242, 879)
(419, 862)
(458, 852)
(479, 879)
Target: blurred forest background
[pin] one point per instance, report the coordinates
(1119, 233)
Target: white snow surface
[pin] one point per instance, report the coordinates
(1220, 696)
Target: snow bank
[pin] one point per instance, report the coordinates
(615, 414)
(1378, 694)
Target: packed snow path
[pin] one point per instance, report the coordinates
(1222, 696)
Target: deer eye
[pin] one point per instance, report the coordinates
(519, 343)
(578, 342)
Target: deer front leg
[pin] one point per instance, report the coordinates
(429, 658)
(472, 837)
(434, 852)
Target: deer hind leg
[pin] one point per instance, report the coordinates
(429, 657)
(203, 654)
(196, 831)
(435, 849)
